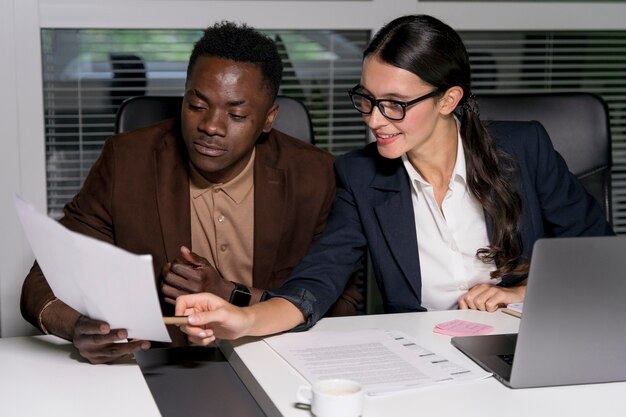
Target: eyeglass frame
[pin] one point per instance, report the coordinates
(377, 102)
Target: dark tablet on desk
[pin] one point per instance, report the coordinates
(195, 381)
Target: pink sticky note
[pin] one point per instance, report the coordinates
(462, 328)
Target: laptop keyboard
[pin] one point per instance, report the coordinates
(507, 358)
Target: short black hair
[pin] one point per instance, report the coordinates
(241, 43)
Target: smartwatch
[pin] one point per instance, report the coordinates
(240, 296)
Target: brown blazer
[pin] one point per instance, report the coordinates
(136, 196)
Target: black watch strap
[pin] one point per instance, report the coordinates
(240, 296)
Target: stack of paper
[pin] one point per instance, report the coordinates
(514, 309)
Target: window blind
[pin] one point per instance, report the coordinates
(87, 73)
(528, 62)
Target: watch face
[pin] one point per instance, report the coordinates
(240, 296)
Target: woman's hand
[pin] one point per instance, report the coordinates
(211, 317)
(487, 297)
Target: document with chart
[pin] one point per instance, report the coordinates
(382, 361)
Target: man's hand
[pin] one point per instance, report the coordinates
(192, 274)
(487, 297)
(96, 341)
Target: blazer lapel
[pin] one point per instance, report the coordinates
(394, 211)
(269, 207)
(172, 194)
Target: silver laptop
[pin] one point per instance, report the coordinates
(573, 325)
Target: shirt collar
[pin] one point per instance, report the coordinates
(460, 169)
(237, 188)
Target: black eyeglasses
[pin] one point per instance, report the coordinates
(391, 109)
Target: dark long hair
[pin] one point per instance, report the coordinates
(435, 53)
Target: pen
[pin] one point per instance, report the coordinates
(175, 320)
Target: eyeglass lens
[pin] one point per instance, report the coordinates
(365, 104)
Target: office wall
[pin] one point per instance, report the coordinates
(22, 159)
(22, 153)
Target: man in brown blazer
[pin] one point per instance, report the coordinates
(221, 201)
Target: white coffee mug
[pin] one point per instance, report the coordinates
(333, 398)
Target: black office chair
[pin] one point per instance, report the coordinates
(129, 77)
(140, 111)
(578, 125)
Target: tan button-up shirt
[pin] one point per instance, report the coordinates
(222, 223)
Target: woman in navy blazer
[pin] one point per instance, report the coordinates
(435, 183)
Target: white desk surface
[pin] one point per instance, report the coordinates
(41, 376)
(484, 398)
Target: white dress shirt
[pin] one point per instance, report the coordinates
(448, 239)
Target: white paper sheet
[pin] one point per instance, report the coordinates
(95, 278)
(382, 361)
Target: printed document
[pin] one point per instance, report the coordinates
(382, 361)
(95, 278)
